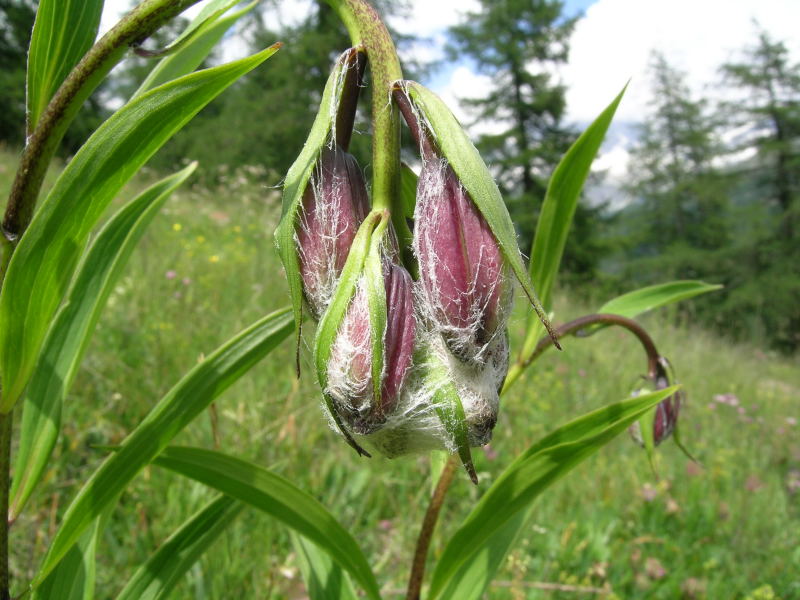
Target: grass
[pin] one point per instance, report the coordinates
(727, 529)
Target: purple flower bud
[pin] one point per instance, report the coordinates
(464, 279)
(350, 366)
(666, 413)
(334, 205)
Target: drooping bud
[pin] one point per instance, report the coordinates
(351, 368)
(333, 206)
(463, 235)
(464, 278)
(365, 342)
(661, 422)
(324, 196)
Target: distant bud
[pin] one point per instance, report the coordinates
(350, 368)
(334, 204)
(464, 279)
(665, 415)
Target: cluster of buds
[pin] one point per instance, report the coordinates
(404, 363)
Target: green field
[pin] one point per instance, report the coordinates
(207, 268)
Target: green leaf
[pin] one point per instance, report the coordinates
(297, 179)
(475, 177)
(324, 578)
(647, 298)
(156, 578)
(558, 208)
(44, 261)
(74, 577)
(532, 473)
(62, 33)
(190, 396)
(206, 30)
(277, 497)
(68, 337)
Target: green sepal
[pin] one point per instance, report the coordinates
(476, 179)
(376, 301)
(408, 190)
(331, 320)
(297, 180)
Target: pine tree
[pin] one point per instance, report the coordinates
(680, 197)
(770, 111)
(519, 44)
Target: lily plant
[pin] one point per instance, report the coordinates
(406, 285)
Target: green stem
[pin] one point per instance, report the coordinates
(580, 324)
(76, 88)
(366, 28)
(5, 467)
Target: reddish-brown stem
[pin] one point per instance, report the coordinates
(428, 526)
(581, 323)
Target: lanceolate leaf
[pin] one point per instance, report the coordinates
(647, 298)
(74, 577)
(178, 408)
(277, 497)
(530, 474)
(72, 329)
(155, 579)
(205, 30)
(324, 578)
(44, 261)
(64, 30)
(558, 208)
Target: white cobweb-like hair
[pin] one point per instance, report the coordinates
(463, 339)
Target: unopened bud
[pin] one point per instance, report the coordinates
(334, 204)
(464, 279)
(664, 417)
(350, 368)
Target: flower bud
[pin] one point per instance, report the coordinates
(334, 204)
(664, 418)
(465, 282)
(351, 366)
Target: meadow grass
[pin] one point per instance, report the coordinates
(207, 268)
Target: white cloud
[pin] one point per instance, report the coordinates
(614, 41)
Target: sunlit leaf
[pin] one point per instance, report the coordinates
(190, 396)
(645, 299)
(558, 209)
(277, 497)
(72, 330)
(62, 33)
(43, 263)
(206, 31)
(533, 472)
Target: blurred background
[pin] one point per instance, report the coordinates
(699, 178)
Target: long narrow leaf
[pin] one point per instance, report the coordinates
(531, 473)
(277, 497)
(647, 298)
(74, 578)
(44, 261)
(62, 33)
(178, 408)
(156, 578)
(558, 208)
(324, 578)
(206, 31)
(68, 337)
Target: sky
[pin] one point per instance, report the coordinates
(612, 43)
